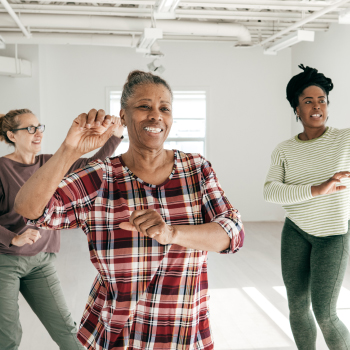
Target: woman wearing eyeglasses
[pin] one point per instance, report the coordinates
(27, 253)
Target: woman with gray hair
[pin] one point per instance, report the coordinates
(150, 216)
(27, 254)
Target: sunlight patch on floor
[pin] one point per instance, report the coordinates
(238, 322)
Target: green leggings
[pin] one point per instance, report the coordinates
(313, 270)
(36, 278)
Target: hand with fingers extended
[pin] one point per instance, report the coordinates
(91, 131)
(28, 237)
(150, 223)
(331, 185)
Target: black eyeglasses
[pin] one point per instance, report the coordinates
(32, 129)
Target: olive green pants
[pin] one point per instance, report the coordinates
(313, 270)
(36, 278)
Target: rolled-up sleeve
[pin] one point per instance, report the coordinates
(217, 208)
(70, 205)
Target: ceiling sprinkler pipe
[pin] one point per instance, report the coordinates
(237, 31)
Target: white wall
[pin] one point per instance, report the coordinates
(248, 113)
(330, 54)
(16, 93)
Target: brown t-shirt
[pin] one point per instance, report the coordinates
(12, 176)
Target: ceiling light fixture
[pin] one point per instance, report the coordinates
(155, 52)
(165, 9)
(292, 39)
(344, 16)
(148, 38)
(156, 67)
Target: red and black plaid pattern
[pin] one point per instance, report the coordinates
(146, 295)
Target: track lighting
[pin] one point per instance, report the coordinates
(148, 38)
(156, 67)
(292, 39)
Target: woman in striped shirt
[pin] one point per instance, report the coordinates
(151, 290)
(309, 176)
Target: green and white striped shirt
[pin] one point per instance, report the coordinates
(296, 166)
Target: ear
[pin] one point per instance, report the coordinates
(122, 116)
(297, 109)
(11, 136)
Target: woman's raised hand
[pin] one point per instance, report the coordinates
(331, 185)
(150, 223)
(28, 237)
(91, 131)
(120, 128)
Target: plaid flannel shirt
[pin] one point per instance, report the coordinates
(146, 295)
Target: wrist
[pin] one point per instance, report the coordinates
(13, 241)
(174, 234)
(69, 153)
(314, 191)
(119, 135)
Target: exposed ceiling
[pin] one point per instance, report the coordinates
(122, 21)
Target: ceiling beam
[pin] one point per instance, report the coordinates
(108, 2)
(261, 4)
(12, 13)
(250, 15)
(180, 13)
(307, 19)
(254, 5)
(83, 10)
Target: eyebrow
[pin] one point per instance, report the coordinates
(312, 97)
(148, 99)
(29, 126)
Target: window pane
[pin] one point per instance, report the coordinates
(188, 128)
(189, 107)
(186, 146)
(122, 148)
(114, 107)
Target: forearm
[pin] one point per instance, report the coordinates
(208, 237)
(32, 198)
(280, 193)
(105, 151)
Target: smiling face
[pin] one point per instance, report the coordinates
(148, 116)
(25, 142)
(313, 107)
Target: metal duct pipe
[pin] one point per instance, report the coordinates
(72, 39)
(131, 24)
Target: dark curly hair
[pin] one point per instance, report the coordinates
(309, 77)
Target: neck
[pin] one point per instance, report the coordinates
(22, 157)
(312, 133)
(144, 159)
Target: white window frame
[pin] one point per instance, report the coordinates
(175, 89)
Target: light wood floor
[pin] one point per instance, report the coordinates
(247, 306)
